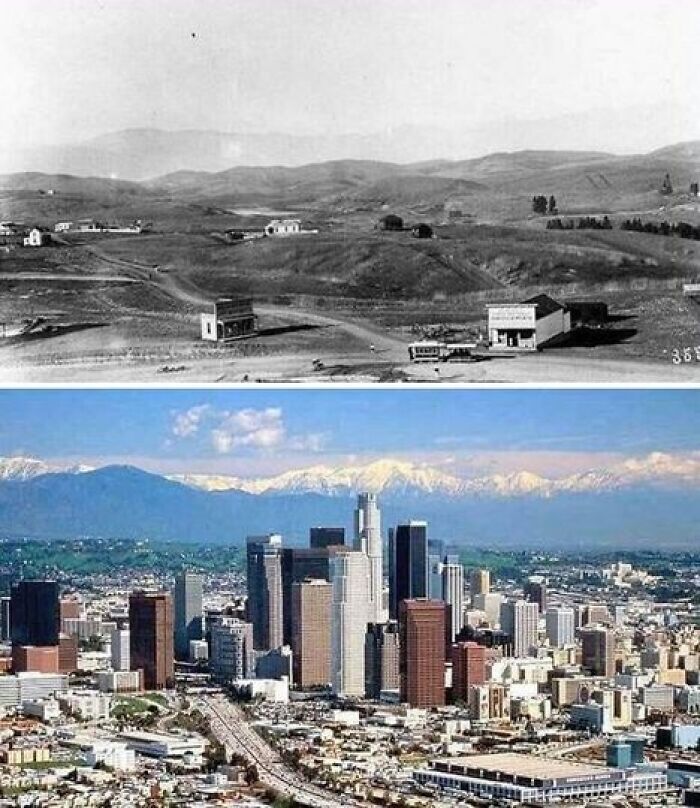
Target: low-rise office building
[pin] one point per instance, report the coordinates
(525, 778)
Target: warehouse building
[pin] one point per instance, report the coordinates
(525, 778)
(229, 319)
(527, 326)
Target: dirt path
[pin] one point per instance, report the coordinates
(57, 276)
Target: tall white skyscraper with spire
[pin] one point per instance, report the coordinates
(368, 539)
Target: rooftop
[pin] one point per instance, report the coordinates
(517, 765)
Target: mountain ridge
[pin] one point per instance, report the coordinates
(392, 477)
(125, 502)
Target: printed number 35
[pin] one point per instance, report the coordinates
(678, 355)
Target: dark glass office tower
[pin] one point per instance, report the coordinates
(264, 574)
(320, 537)
(35, 613)
(410, 568)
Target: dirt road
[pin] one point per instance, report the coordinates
(350, 350)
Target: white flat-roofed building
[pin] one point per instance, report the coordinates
(119, 681)
(526, 778)
(113, 754)
(526, 326)
(43, 709)
(560, 626)
(283, 227)
(89, 705)
(162, 745)
(34, 686)
(199, 651)
(276, 690)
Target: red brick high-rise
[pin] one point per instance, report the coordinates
(468, 668)
(151, 638)
(311, 632)
(67, 654)
(422, 652)
(35, 658)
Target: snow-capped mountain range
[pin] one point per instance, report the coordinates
(26, 468)
(401, 477)
(392, 477)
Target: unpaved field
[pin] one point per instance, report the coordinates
(144, 328)
(348, 353)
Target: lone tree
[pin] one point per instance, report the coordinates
(539, 205)
(391, 222)
(422, 230)
(552, 205)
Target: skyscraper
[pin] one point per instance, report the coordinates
(410, 568)
(490, 604)
(300, 564)
(311, 632)
(151, 638)
(4, 619)
(519, 621)
(349, 609)
(468, 668)
(479, 583)
(560, 626)
(189, 612)
(320, 537)
(35, 613)
(381, 658)
(535, 590)
(598, 651)
(422, 652)
(453, 596)
(231, 655)
(120, 649)
(436, 557)
(368, 539)
(264, 575)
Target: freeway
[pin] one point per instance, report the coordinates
(229, 726)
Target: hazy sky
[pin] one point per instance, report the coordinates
(250, 432)
(76, 68)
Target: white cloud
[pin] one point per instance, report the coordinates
(262, 429)
(186, 424)
(228, 430)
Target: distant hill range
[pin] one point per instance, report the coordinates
(145, 153)
(586, 177)
(521, 511)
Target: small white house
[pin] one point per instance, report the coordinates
(62, 227)
(36, 238)
(283, 227)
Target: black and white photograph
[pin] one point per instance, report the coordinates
(352, 191)
(349, 394)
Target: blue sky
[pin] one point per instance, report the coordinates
(266, 431)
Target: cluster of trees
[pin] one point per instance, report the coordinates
(680, 229)
(543, 206)
(584, 223)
